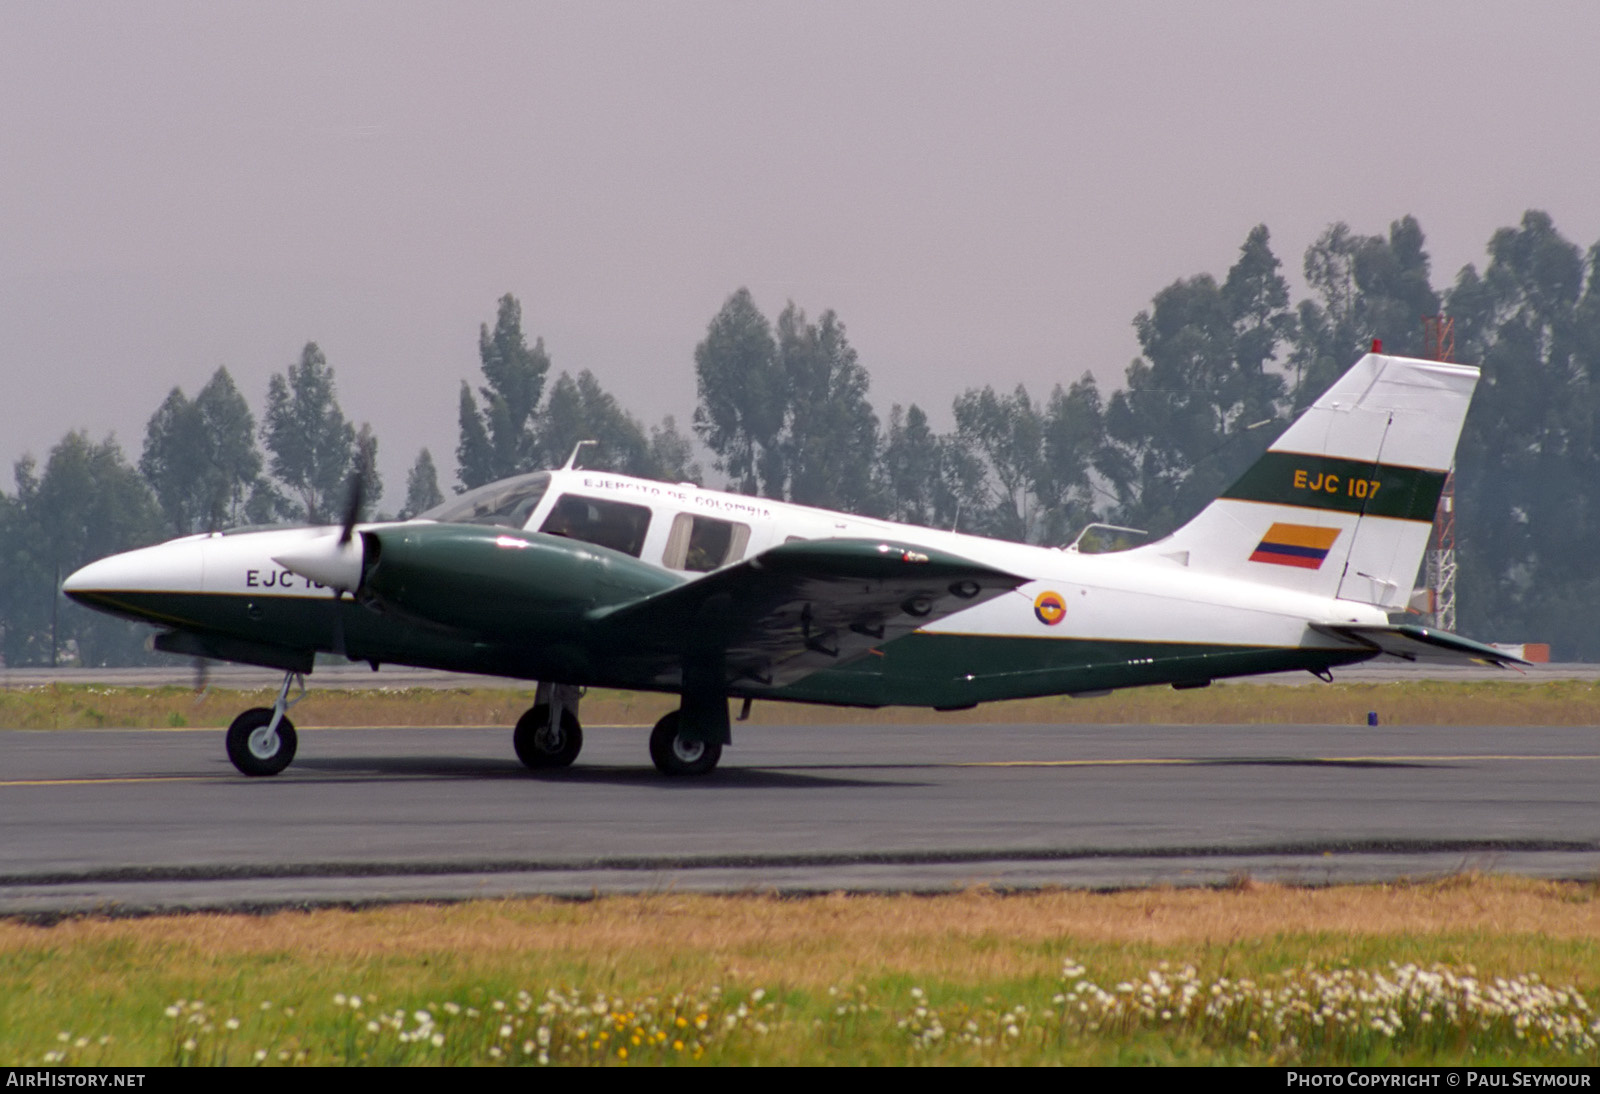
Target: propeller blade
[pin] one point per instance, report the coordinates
(356, 499)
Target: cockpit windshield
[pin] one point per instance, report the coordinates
(508, 502)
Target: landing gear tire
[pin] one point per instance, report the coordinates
(250, 748)
(674, 754)
(540, 745)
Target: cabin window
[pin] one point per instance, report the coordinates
(701, 544)
(508, 503)
(604, 523)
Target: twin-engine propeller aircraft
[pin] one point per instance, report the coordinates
(580, 578)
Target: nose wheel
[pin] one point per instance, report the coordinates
(256, 747)
(261, 741)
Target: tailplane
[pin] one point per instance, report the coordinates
(1342, 504)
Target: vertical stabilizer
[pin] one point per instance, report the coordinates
(1342, 504)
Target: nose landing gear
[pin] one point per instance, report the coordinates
(261, 741)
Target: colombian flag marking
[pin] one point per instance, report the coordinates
(1295, 545)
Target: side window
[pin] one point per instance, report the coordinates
(604, 523)
(701, 544)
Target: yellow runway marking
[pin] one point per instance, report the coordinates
(1072, 763)
(109, 779)
(1178, 761)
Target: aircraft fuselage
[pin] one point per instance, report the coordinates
(521, 602)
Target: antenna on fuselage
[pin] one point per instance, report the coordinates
(572, 460)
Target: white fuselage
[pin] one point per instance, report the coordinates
(1139, 595)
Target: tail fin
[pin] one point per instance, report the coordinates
(1342, 504)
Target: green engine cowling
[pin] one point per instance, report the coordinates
(499, 585)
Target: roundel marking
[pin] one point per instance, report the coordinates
(1049, 608)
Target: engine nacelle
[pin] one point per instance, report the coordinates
(497, 583)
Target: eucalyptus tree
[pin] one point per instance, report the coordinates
(581, 410)
(1206, 396)
(740, 412)
(497, 440)
(913, 463)
(1073, 425)
(785, 410)
(422, 486)
(1363, 287)
(200, 457)
(87, 503)
(672, 454)
(1529, 468)
(313, 446)
(1004, 436)
(830, 439)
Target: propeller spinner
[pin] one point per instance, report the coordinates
(335, 560)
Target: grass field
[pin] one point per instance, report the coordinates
(1424, 702)
(1467, 970)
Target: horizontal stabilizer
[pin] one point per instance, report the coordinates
(1413, 643)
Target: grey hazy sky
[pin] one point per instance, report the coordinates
(984, 192)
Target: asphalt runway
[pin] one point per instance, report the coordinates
(335, 673)
(142, 820)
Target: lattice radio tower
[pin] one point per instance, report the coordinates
(1439, 333)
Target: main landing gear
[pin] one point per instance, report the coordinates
(261, 741)
(686, 742)
(549, 734)
(675, 753)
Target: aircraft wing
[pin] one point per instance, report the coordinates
(1413, 643)
(797, 608)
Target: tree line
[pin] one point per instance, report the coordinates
(783, 408)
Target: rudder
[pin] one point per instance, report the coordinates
(1342, 504)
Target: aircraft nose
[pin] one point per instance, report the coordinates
(167, 567)
(94, 578)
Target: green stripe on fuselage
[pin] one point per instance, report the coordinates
(1347, 486)
(954, 670)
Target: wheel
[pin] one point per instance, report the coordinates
(539, 745)
(252, 751)
(676, 755)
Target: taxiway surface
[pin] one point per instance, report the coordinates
(139, 820)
